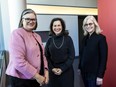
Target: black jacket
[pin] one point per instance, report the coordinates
(93, 55)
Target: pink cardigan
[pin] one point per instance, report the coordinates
(24, 53)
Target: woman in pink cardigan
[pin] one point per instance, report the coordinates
(27, 63)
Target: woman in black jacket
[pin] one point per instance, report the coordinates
(60, 54)
(93, 54)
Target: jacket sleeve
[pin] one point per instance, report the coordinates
(18, 55)
(45, 61)
(71, 55)
(103, 56)
(47, 54)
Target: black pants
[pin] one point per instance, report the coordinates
(17, 82)
(89, 80)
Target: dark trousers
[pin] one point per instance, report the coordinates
(89, 81)
(17, 82)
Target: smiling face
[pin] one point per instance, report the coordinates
(29, 21)
(89, 26)
(57, 27)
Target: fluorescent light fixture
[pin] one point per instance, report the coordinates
(43, 9)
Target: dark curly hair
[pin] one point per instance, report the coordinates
(64, 32)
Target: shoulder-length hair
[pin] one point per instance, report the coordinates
(92, 18)
(26, 11)
(64, 32)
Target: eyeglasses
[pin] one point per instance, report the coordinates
(88, 24)
(30, 19)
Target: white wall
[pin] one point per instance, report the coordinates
(1, 33)
(5, 23)
(80, 3)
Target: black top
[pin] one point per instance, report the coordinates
(42, 61)
(93, 55)
(61, 57)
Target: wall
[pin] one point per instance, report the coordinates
(71, 25)
(107, 21)
(5, 28)
(81, 3)
(1, 33)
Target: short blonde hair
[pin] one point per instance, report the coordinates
(92, 18)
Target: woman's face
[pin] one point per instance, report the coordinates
(57, 27)
(29, 21)
(89, 26)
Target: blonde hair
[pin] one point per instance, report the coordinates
(92, 18)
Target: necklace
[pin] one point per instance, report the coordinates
(60, 45)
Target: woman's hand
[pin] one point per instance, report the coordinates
(79, 71)
(54, 70)
(40, 79)
(99, 81)
(46, 76)
(57, 71)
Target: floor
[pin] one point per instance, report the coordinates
(77, 77)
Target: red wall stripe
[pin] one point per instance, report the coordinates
(107, 21)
